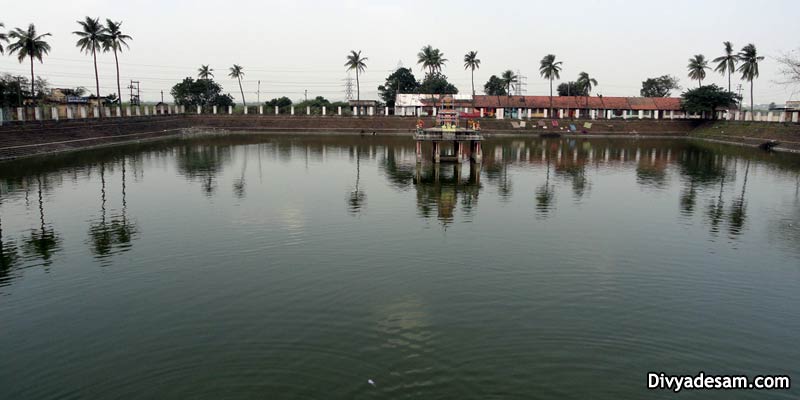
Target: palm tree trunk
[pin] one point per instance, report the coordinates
(97, 83)
(473, 84)
(729, 81)
(551, 97)
(119, 88)
(244, 103)
(752, 104)
(358, 95)
(33, 91)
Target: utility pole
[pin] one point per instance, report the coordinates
(135, 98)
(306, 94)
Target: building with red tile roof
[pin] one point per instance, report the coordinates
(504, 106)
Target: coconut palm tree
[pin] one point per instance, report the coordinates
(472, 62)
(3, 38)
(27, 43)
(727, 63)
(510, 80)
(431, 58)
(92, 36)
(697, 68)
(356, 63)
(114, 41)
(749, 68)
(238, 72)
(586, 83)
(550, 69)
(205, 72)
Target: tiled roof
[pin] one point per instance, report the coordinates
(641, 103)
(609, 103)
(667, 103)
(616, 103)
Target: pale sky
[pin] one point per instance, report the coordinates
(296, 45)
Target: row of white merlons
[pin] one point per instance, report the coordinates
(61, 112)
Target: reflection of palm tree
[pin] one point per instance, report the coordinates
(99, 233)
(738, 209)
(505, 188)
(105, 236)
(124, 231)
(357, 198)
(688, 198)
(44, 242)
(8, 254)
(716, 209)
(545, 194)
(238, 185)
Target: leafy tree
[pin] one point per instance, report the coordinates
(28, 44)
(315, 104)
(205, 72)
(436, 83)
(356, 63)
(550, 69)
(201, 92)
(726, 64)
(472, 62)
(790, 67)
(708, 99)
(238, 72)
(402, 79)
(42, 87)
(661, 86)
(749, 68)
(495, 86)
(510, 80)
(570, 88)
(279, 102)
(13, 90)
(697, 68)
(586, 83)
(114, 41)
(92, 36)
(431, 58)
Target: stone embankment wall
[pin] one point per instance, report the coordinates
(21, 140)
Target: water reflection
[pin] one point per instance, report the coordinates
(711, 181)
(111, 236)
(738, 212)
(545, 194)
(239, 183)
(203, 162)
(439, 188)
(8, 253)
(44, 242)
(357, 198)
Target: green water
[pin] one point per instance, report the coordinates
(303, 266)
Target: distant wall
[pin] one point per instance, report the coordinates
(21, 140)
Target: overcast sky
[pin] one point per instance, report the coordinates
(295, 45)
